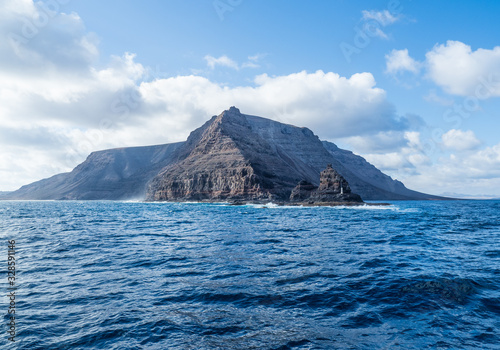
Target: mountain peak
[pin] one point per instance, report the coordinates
(231, 112)
(234, 110)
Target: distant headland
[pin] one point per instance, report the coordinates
(233, 157)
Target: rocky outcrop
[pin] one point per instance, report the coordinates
(332, 188)
(233, 156)
(302, 192)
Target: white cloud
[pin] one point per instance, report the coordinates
(469, 173)
(253, 61)
(401, 157)
(385, 18)
(381, 142)
(461, 71)
(250, 64)
(257, 57)
(380, 33)
(389, 162)
(374, 20)
(469, 170)
(460, 140)
(484, 164)
(400, 61)
(223, 61)
(347, 106)
(454, 67)
(413, 138)
(112, 113)
(66, 119)
(34, 38)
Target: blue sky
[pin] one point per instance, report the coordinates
(413, 86)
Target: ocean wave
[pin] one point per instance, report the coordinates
(120, 275)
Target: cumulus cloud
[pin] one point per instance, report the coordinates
(454, 67)
(35, 38)
(332, 105)
(483, 164)
(402, 155)
(469, 169)
(379, 143)
(400, 61)
(253, 61)
(475, 172)
(112, 112)
(460, 140)
(459, 70)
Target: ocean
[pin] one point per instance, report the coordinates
(133, 275)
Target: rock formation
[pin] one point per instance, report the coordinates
(233, 156)
(332, 188)
(227, 160)
(302, 192)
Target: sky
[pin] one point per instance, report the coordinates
(412, 86)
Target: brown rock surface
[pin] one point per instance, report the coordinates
(302, 191)
(332, 188)
(224, 160)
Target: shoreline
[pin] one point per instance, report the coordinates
(311, 204)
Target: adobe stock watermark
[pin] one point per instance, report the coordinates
(370, 29)
(31, 26)
(223, 6)
(11, 289)
(456, 114)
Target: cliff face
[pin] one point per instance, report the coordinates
(111, 174)
(236, 156)
(226, 159)
(233, 156)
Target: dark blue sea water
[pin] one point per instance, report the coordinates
(118, 275)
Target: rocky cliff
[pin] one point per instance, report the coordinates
(228, 159)
(332, 188)
(233, 156)
(113, 174)
(236, 156)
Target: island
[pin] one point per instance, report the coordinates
(233, 157)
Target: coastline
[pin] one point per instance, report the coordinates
(280, 203)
